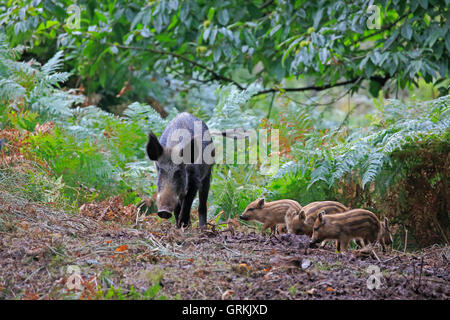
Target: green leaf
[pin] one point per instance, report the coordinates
(317, 18)
(274, 30)
(424, 4)
(50, 23)
(407, 31)
(173, 4)
(223, 17)
(323, 55)
(211, 12)
(212, 37)
(249, 37)
(206, 34)
(374, 88)
(391, 40)
(216, 54)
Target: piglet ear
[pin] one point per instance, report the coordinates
(321, 216)
(302, 214)
(261, 203)
(154, 148)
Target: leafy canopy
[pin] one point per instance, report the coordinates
(328, 42)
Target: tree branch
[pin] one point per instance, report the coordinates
(379, 79)
(308, 88)
(215, 75)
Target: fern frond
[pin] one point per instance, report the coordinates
(52, 65)
(10, 90)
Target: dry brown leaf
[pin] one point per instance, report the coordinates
(227, 294)
(312, 291)
(122, 248)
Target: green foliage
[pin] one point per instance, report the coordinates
(118, 293)
(78, 162)
(233, 188)
(156, 42)
(395, 127)
(229, 114)
(363, 155)
(151, 293)
(91, 153)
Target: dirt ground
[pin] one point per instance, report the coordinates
(49, 254)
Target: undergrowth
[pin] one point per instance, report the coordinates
(59, 151)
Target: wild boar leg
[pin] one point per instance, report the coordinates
(343, 244)
(383, 245)
(184, 219)
(264, 228)
(176, 212)
(202, 199)
(272, 230)
(360, 243)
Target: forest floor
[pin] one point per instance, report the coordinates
(49, 254)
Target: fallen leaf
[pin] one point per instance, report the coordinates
(312, 291)
(122, 248)
(201, 273)
(242, 268)
(306, 263)
(286, 261)
(330, 289)
(227, 294)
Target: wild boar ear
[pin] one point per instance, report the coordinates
(321, 216)
(261, 203)
(386, 223)
(302, 215)
(154, 148)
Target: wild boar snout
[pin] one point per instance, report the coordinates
(243, 217)
(164, 214)
(166, 202)
(312, 244)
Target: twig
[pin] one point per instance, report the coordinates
(376, 256)
(271, 105)
(33, 273)
(391, 259)
(56, 252)
(406, 240)
(420, 275)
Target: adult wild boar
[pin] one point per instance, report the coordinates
(184, 156)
